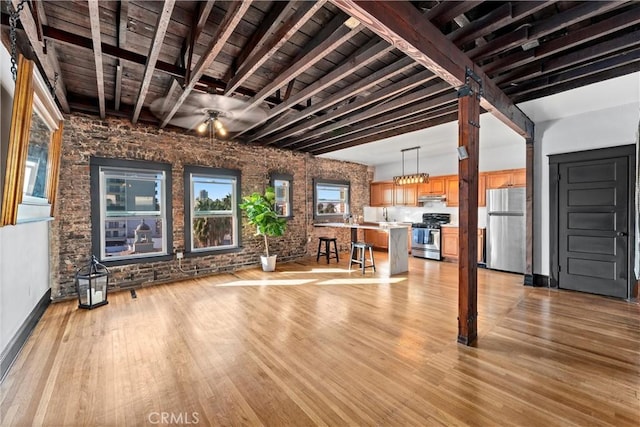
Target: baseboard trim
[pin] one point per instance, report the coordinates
(20, 338)
(536, 280)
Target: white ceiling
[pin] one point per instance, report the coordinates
(438, 140)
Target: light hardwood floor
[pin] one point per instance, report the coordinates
(313, 344)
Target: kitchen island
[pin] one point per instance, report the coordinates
(397, 248)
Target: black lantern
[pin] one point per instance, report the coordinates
(92, 281)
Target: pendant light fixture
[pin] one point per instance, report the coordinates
(418, 177)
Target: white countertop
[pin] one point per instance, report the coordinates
(368, 226)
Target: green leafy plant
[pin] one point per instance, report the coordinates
(261, 213)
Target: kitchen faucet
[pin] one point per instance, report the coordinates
(385, 214)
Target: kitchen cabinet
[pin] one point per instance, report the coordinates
(451, 243)
(406, 195)
(379, 239)
(435, 186)
(506, 178)
(381, 193)
(453, 190)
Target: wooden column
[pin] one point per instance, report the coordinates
(529, 278)
(468, 137)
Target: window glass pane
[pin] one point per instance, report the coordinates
(282, 204)
(125, 236)
(332, 199)
(35, 173)
(133, 213)
(213, 214)
(212, 231)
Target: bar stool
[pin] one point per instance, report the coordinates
(327, 248)
(360, 259)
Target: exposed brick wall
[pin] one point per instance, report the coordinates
(86, 136)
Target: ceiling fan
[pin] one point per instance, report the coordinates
(218, 114)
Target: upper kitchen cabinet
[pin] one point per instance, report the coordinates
(506, 178)
(453, 190)
(381, 193)
(435, 186)
(406, 195)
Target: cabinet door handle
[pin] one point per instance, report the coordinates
(621, 234)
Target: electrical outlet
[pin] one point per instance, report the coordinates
(309, 240)
(179, 255)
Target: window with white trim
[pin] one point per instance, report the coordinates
(211, 217)
(130, 209)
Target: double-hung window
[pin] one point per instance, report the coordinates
(130, 209)
(211, 201)
(331, 199)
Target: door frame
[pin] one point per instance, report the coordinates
(555, 160)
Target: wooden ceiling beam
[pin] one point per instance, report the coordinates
(393, 129)
(122, 18)
(410, 32)
(164, 17)
(571, 58)
(370, 52)
(629, 57)
(328, 39)
(577, 83)
(300, 132)
(305, 10)
(429, 105)
(272, 19)
(571, 40)
(200, 20)
(543, 28)
(46, 61)
(361, 85)
(233, 16)
(94, 18)
(447, 10)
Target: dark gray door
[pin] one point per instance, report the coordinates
(593, 208)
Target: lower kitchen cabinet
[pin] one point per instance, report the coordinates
(451, 243)
(380, 239)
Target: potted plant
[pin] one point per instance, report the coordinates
(260, 209)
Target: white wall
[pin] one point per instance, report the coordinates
(596, 129)
(24, 248)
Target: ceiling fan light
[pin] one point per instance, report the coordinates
(217, 124)
(222, 131)
(202, 127)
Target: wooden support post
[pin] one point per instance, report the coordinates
(528, 269)
(468, 137)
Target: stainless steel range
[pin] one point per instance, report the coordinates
(426, 239)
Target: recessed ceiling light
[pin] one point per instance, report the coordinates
(352, 22)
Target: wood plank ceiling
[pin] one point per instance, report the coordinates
(325, 80)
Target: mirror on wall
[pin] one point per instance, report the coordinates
(33, 153)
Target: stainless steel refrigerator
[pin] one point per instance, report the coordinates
(506, 230)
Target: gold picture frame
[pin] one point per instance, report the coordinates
(31, 97)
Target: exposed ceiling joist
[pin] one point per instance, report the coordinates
(368, 82)
(332, 36)
(94, 16)
(300, 132)
(305, 10)
(154, 51)
(223, 32)
(122, 19)
(418, 38)
(30, 28)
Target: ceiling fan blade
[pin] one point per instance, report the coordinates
(232, 112)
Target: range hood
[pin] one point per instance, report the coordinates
(431, 198)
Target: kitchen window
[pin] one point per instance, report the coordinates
(331, 199)
(283, 186)
(211, 217)
(130, 209)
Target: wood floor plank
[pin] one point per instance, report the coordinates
(315, 344)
